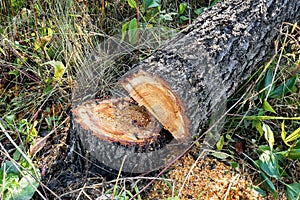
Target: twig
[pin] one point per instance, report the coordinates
(116, 185)
(230, 184)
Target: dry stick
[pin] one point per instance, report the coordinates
(119, 174)
(5, 64)
(48, 135)
(102, 9)
(230, 184)
(86, 195)
(276, 68)
(81, 191)
(185, 151)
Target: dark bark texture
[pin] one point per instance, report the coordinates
(203, 65)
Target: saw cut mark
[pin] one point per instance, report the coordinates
(118, 120)
(157, 97)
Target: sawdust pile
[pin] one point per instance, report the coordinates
(207, 179)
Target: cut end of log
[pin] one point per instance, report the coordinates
(118, 120)
(157, 97)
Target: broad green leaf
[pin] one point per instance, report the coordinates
(167, 17)
(269, 185)
(26, 189)
(297, 144)
(132, 31)
(124, 30)
(151, 3)
(269, 135)
(284, 88)
(292, 154)
(132, 3)
(220, 155)
(10, 168)
(268, 80)
(257, 125)
(199, 11)
(293, 136)
(220, 143)
(214, 3)
(264, 84)
(293, 191)
(59, 69)
(269, 164)
(182, 8)
(268, 107)
(259, 190)
(184, 18)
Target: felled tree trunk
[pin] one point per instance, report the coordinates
(181, 85)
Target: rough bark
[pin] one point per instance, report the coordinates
(198, 69)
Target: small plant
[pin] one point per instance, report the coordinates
(18, 176)
(19, 180)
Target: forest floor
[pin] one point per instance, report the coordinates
(43, 48)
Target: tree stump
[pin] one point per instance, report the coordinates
(181, 85)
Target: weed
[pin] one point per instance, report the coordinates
(271, 116)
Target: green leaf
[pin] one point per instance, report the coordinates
(220, 155)
(151, 3)
(10, 168)
(293, 136)
(132, 31)
(259, 190)
(269, 185)
(268, 107)
(184, 18)
(214, 3)
(220, 143)
(257, 125)
(124, 30)
(26, 190)
(268, 80)
(283, 133)
(199, 11)
(293, 191)
(168, 16)
(269, 135)
(292, 154)
(284, 88)
(59, 69)
(13, 72)
(264, 84)
(269, 164)
(23, 189)
(48, 89)
(132, 3)
(182, 8)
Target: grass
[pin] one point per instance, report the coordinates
(46, 53)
